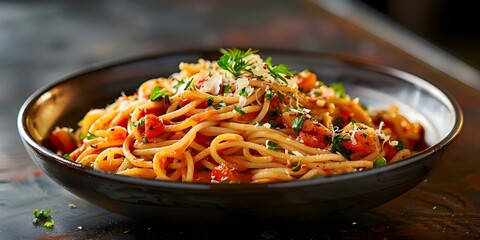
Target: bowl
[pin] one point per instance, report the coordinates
(64, 102)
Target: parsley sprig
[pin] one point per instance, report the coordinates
(338, 89)
(298, 123)
(89, 136)
(158, 93)
(277, 71)
(233, 60)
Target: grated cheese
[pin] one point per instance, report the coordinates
(212, 84)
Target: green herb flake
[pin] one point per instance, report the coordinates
(298, 123)
(67, 156)
(179, 83)
(209, 101)
(274, 113)
(158, 93)
(276, 71)
(296, 166)
(271, 145)
(226, 89)
(272, 123)
(49, 224)
(89, 136)
(70, 136)
(243, 92)
(239, 110)
(338, 89)
(167, 99)
(380, 161)
(189, 84)
(144, 139)
(399, 145)
(139, 123)
(221, 104)
(41, 213)
(337, 146)
(269, 94)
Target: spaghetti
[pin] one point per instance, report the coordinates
(237, 119)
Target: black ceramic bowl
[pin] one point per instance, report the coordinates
(64, 102)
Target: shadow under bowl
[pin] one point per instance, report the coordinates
(64, 103)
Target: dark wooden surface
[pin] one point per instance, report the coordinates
(42, 41)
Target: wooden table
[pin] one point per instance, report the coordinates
(40, 42)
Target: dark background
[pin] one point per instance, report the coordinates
(450, 24)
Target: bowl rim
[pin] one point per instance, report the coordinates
(356, 61)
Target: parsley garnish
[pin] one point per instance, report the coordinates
(144, 139)
(296, 166)
(43, 215)
(226, 89)
(221, 104)
(67, 156)
(209, 101)
(399, 145)
(233, 60)
(337, 146)
(271, 145)
(298, 123)
(158, 93)
(238, 110)
(274, 113)
(243, 92)
(276, 71)
(179, 82)
(339, 90)
(49, 224)
(269, 94)
(139, 123)
(272, 123)
(70, 136)
(89, 136)
(189, 83)
(167, 99)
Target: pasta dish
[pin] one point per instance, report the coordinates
(238, 119)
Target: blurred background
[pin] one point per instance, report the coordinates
(450, 24)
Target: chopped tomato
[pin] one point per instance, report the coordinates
(223, 173)
(364, 145)
(203, 139)
(315, 135)
(153, 126)
(203, 176)
(312, 140)
(307, 80)
(63, 140)
(389, 151)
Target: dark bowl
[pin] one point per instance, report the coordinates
(64, 102)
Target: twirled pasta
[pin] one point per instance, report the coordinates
(238, 119)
